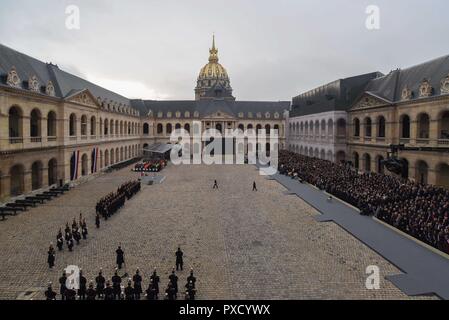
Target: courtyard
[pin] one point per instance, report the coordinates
(241, 244)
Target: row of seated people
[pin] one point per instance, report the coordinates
(150, 166)
(419, 210)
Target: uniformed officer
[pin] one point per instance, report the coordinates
(129, 291)
(174, 280)
(170, 292)
(91, 293)
(190, 292)
(59, 240)
(254, 186)
(116, 285)
(120, 257)
(100, 281)
(108, 292)
(50, 294)
(83, 286)
(137, 279)
(179, 259)
(151, 291)
(84, 229)
(51, 256)
(70, 242)
(97, 221)
(63, 287)
(191, 278)
(70, 294)
(155, 279)
(215, 185)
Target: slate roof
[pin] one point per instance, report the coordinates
(65, 83)
(208, 107)
(335, 96)
(390, 86)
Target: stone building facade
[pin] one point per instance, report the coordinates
(55, 126)
(317, 123)
(408, 107)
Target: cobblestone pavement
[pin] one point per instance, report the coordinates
(242, 244)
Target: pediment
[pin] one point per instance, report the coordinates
(83, 97)
(369, 100)
(219, 115)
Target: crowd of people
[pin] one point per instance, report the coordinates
(103, 289)
(114, 201)
(417, 209)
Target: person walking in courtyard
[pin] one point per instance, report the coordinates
(179, 259)
(51, 256)
(215, 185)
(120, 257)
(254, 186)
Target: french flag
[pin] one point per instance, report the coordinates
(94, 160)
(74, 165)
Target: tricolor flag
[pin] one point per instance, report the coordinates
(94, 160)
(74, 161)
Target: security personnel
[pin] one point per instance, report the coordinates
(174, 280)
(129, 291)
(50, 294)
(97, 221)
(155, 280)
(191, 278)
(91, 293)
(137, 279)
(100, 281)
(70, 242)
(190, 292)
(84, 229)
(116, 285)
(63, 287)
(151, 291)
(59, 240)
(70, 294)
(108, 292)
(51, 256)
(120, 257)
(179, 261)
(170, 292)
(83, 286)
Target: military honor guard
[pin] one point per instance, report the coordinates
(51, 256)
(179, 259)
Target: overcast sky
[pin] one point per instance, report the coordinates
(273, 50)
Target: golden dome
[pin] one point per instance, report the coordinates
(213, 70)
(213, 79)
